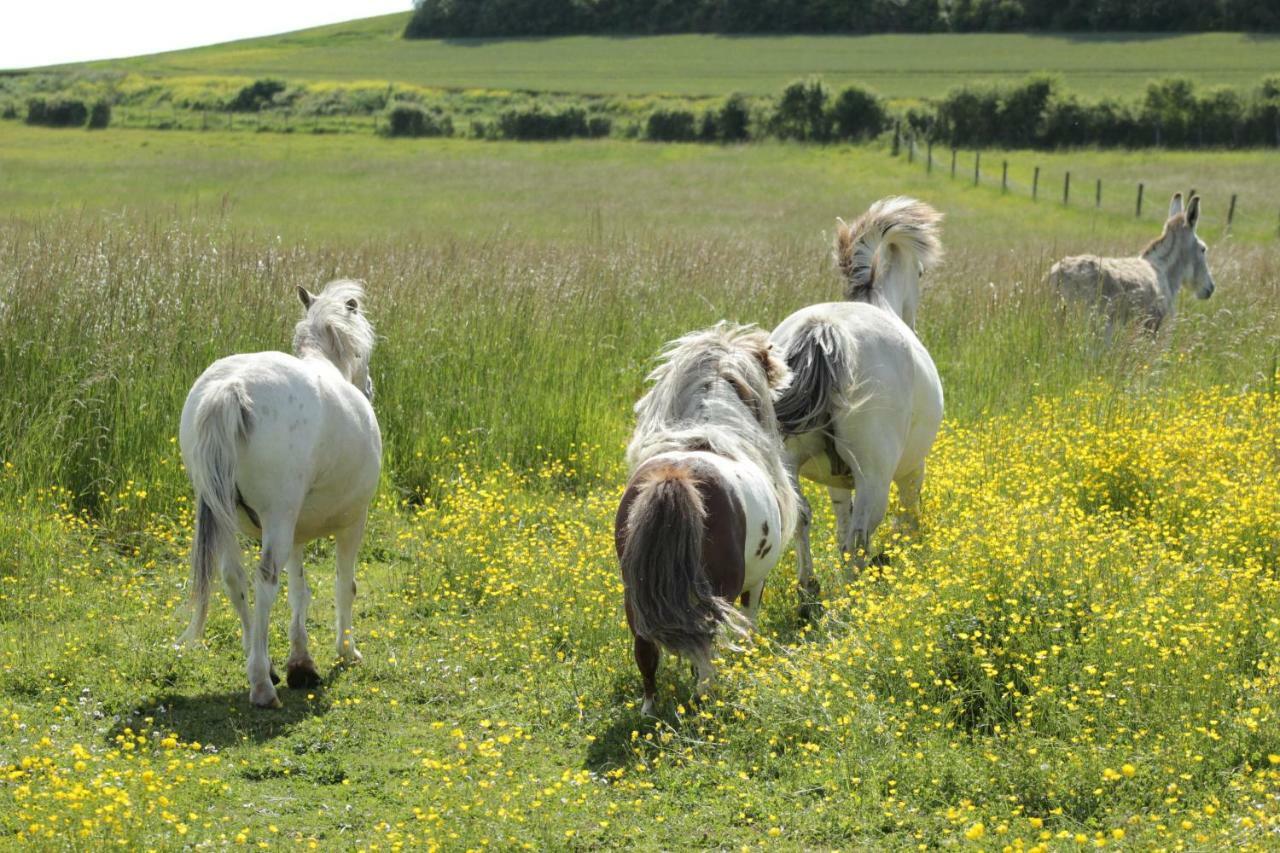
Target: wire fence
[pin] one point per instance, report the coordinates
(1067, 187)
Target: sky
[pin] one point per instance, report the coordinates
(46, 32)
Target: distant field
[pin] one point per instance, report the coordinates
(899, 66)
(360, 185)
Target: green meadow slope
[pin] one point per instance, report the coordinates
(898, 66)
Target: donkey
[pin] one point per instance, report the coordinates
(709, 506)
(1146, 287)
(284, 449)
(865, 401)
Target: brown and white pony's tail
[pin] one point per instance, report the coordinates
(667, 590)
(221, 420)
(895, 234)
(821, 357)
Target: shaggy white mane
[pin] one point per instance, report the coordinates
(335, 327)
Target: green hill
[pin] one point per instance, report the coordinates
(898, 66)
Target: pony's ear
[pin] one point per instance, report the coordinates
(776, 372)
(1193, 212)
(306, 297)
(1175, 206)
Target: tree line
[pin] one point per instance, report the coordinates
(497, 18)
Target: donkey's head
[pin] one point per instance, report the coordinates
(1181, 251)
(335, 327)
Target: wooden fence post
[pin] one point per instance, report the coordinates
(1066, 188)
(929, 155)
(1138, 212)
(1035, 183)
(977, 165)
(911, 149)
(1231, 211)
(953, 162)
(1004, 177)
(1097, 197)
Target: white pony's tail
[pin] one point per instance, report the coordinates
(895, 234)
(221, 420)
(667, 591)
(821, 356)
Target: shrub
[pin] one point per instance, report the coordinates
(671, 126)
(858, 114)
(802, 112)
(599, 126)
(535, 123)
(256, 95)
(408, 119)
(58, 112)
(99, 115)
(9, 110)
(733, 120)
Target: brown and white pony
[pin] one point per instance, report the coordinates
(709, 506)
(1146, 287)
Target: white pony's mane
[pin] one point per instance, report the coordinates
(864, 248)
(714, 391)
(336, 330)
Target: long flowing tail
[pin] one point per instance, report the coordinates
(895, 235)
(821, 357)
(222, 419)
(668, 592)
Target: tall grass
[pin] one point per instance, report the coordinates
(521, 348)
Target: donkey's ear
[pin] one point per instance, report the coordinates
(1193, 212)
(1175, 206)
(306, 297)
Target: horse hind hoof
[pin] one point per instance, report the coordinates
(263, 699)
(302, 677)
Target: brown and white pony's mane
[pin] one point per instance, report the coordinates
(714, 391)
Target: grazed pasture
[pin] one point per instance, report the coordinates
(905, 65)
(1080, 646)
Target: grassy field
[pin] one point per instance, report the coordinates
(898, 66)
(1079, 647)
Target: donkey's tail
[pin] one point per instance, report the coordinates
(221, 420)
(895, 234)
(667, 590)
(821, 357)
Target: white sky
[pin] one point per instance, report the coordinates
(45, 32)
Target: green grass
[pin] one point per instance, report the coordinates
(899, 66)
(1094, 587)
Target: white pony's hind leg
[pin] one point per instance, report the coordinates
(237, 589)
(347, 545)
(842, 507)
(277, 545)
(300, 669)
(810, 591)
(909, 487)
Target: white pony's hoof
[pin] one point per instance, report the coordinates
(264, 696)
(350, 657)
(188, 642)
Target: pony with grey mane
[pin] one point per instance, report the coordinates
(865, 401)
(284, 449)
(1146, 287)
(709, 506)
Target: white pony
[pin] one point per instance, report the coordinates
(865, 401)
(1145, 287)
(709, 506)
(285, 449)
